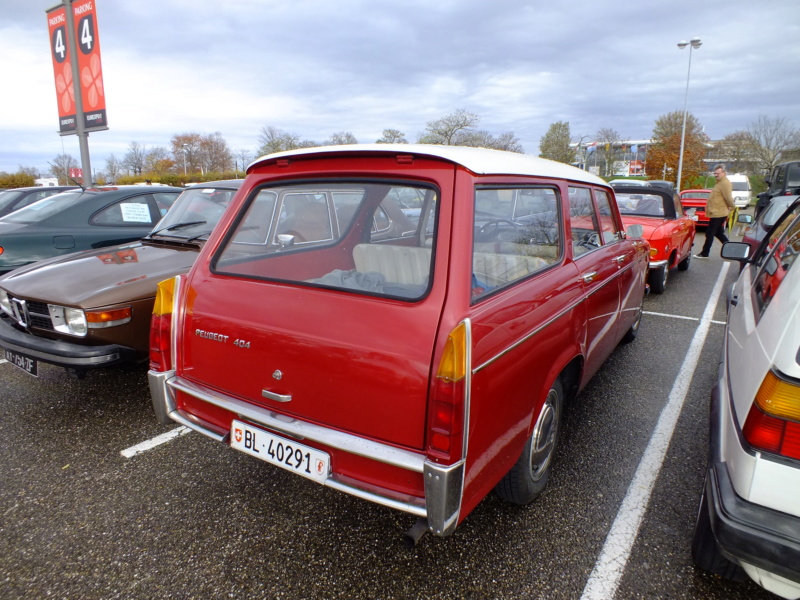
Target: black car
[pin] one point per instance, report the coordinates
(80, 220)
(14, 199)
(783, 181)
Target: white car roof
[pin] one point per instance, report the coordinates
(481, 161)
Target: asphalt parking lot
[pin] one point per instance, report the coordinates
(89, 512)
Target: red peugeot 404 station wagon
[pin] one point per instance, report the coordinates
(401, 323)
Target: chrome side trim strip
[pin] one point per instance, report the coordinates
(529, 335)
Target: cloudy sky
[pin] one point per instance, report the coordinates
(316, 67)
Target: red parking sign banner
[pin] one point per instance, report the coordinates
(91, 73)
(62, 68)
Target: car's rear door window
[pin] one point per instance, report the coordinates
(516, 233)
(130, 212)
(346, 235)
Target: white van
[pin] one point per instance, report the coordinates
(741, 190)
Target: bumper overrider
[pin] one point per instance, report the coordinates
(443, 484)
(62, 353)
(747, 532)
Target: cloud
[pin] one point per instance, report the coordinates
(313, 68)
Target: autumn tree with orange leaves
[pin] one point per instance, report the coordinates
(663, 154)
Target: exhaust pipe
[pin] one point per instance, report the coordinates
(413, 535)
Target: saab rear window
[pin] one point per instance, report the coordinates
(355, 236)
(515, 233)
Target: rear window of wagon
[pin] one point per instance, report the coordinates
(351, 235)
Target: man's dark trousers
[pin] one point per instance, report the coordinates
(715, 229)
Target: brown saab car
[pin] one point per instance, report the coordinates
(92, 309)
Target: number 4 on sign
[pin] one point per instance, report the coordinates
(60, 48)
(86, 35)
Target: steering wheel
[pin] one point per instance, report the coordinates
(489, 230)
(590, 241)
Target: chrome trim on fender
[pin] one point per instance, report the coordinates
(657, 263)
(444, 486)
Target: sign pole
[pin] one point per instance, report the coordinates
(80, 127)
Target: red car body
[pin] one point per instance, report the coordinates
(668, 230)
(696, 199)
(418, 371)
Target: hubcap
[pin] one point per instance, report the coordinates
(543, 440)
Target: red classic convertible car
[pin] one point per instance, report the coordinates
(419, 369)
(669, 231)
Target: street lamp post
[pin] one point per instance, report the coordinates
(693, 43)
(185, 150)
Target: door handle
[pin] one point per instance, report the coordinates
(589, 277)
(276, 397)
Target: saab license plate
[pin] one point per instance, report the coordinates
(281, 452)
(27, 364)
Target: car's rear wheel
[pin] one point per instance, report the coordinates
(633, 330)
(705, 551)
(684, 264)
(658, 279)
(528, 477)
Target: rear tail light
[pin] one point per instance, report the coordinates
(773, 424)
(447, 416)
(161, 326)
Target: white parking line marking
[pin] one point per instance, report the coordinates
(156, 441)
(610, 565)
(669, 316)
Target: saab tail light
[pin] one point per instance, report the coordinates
(161, 326)
(108, 318)
(449, 397)
(1, 250)
(773, 424)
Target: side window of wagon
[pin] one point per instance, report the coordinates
(586, 235)
(608, 224)
(506, 248)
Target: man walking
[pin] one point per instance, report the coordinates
(718, 205)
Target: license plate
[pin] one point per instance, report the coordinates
(27, 364)
(281, 452)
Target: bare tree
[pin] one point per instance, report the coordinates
(113, 168)
(134, 158)
(736, 149)
(772, 137)
(392, 136)
(451, 130)
(215, 155)
(341, 138)
(273, 139)
(608, 149)
(244, 158)
(555, 143)
(60, 168)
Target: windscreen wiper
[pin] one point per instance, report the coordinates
(176, 226)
